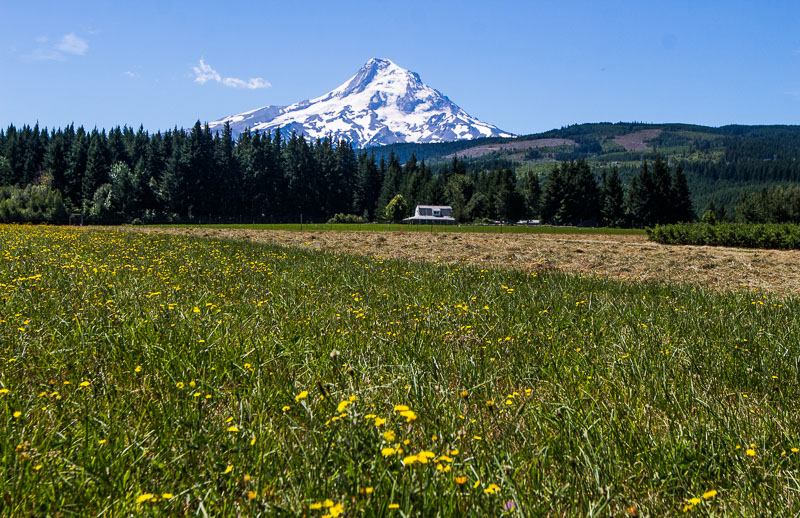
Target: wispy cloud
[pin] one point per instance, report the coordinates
(132, 75)
(72, 44)
(68, 44)
(203, 73)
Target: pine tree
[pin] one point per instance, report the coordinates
(553, 193)
(640, 198)
(682, 208)
(96, 167)
(661, 197)
(531, 191)
(55, 161)
(613, 199)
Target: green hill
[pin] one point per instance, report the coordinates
(720, 162)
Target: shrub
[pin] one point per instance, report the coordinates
(32, 204)
(346, 218)
(746, 235)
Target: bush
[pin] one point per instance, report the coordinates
(396, 209)
(746, 235)
(346, 218)
(32, 204)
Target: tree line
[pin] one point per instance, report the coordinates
(198, 176)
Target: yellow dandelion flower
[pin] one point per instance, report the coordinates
(710, 494)
(167, 496)
(368, 490)
(409, 415)
(389, 435)
(299, 397)
(492, 489)
(84, 384)
(251, 495)
(138, 368)
(750, 452)
(379, 421)
(394, 506)
(461, 480)
(388, 452)
(315, 506)
(144, 498)
(400, 408)
(233, 428)
(17, 414)
(411, 459)
(179, 384)
(228, 469)
(286, 408)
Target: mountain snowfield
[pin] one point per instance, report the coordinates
(381, 104)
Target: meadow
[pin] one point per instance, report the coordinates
(399, 227)
(164, 375)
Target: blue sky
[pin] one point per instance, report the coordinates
(523, 66)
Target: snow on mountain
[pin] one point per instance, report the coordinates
(381, 104)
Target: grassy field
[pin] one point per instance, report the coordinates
(394, 227)
(166, 375)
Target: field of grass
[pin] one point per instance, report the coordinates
(395, 227)
(165, 375)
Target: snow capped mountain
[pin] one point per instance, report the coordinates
(381, 104)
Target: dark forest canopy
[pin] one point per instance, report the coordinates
(196, 176)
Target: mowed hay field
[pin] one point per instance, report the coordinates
(166, 375)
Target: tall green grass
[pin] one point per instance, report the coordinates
(158, 375)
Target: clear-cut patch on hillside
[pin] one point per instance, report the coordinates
(637, 141)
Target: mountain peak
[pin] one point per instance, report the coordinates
(382, 103)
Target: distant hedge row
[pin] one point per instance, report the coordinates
(745, 235)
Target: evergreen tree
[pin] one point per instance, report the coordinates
(55, 161)
(613, 199)
(640, 198)
(555, 187)
(96, 167)
(391, 181)
(682, 209)
(78, 156)
(531, 191)
(661, 199)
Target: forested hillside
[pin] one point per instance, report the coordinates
(721, 163)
